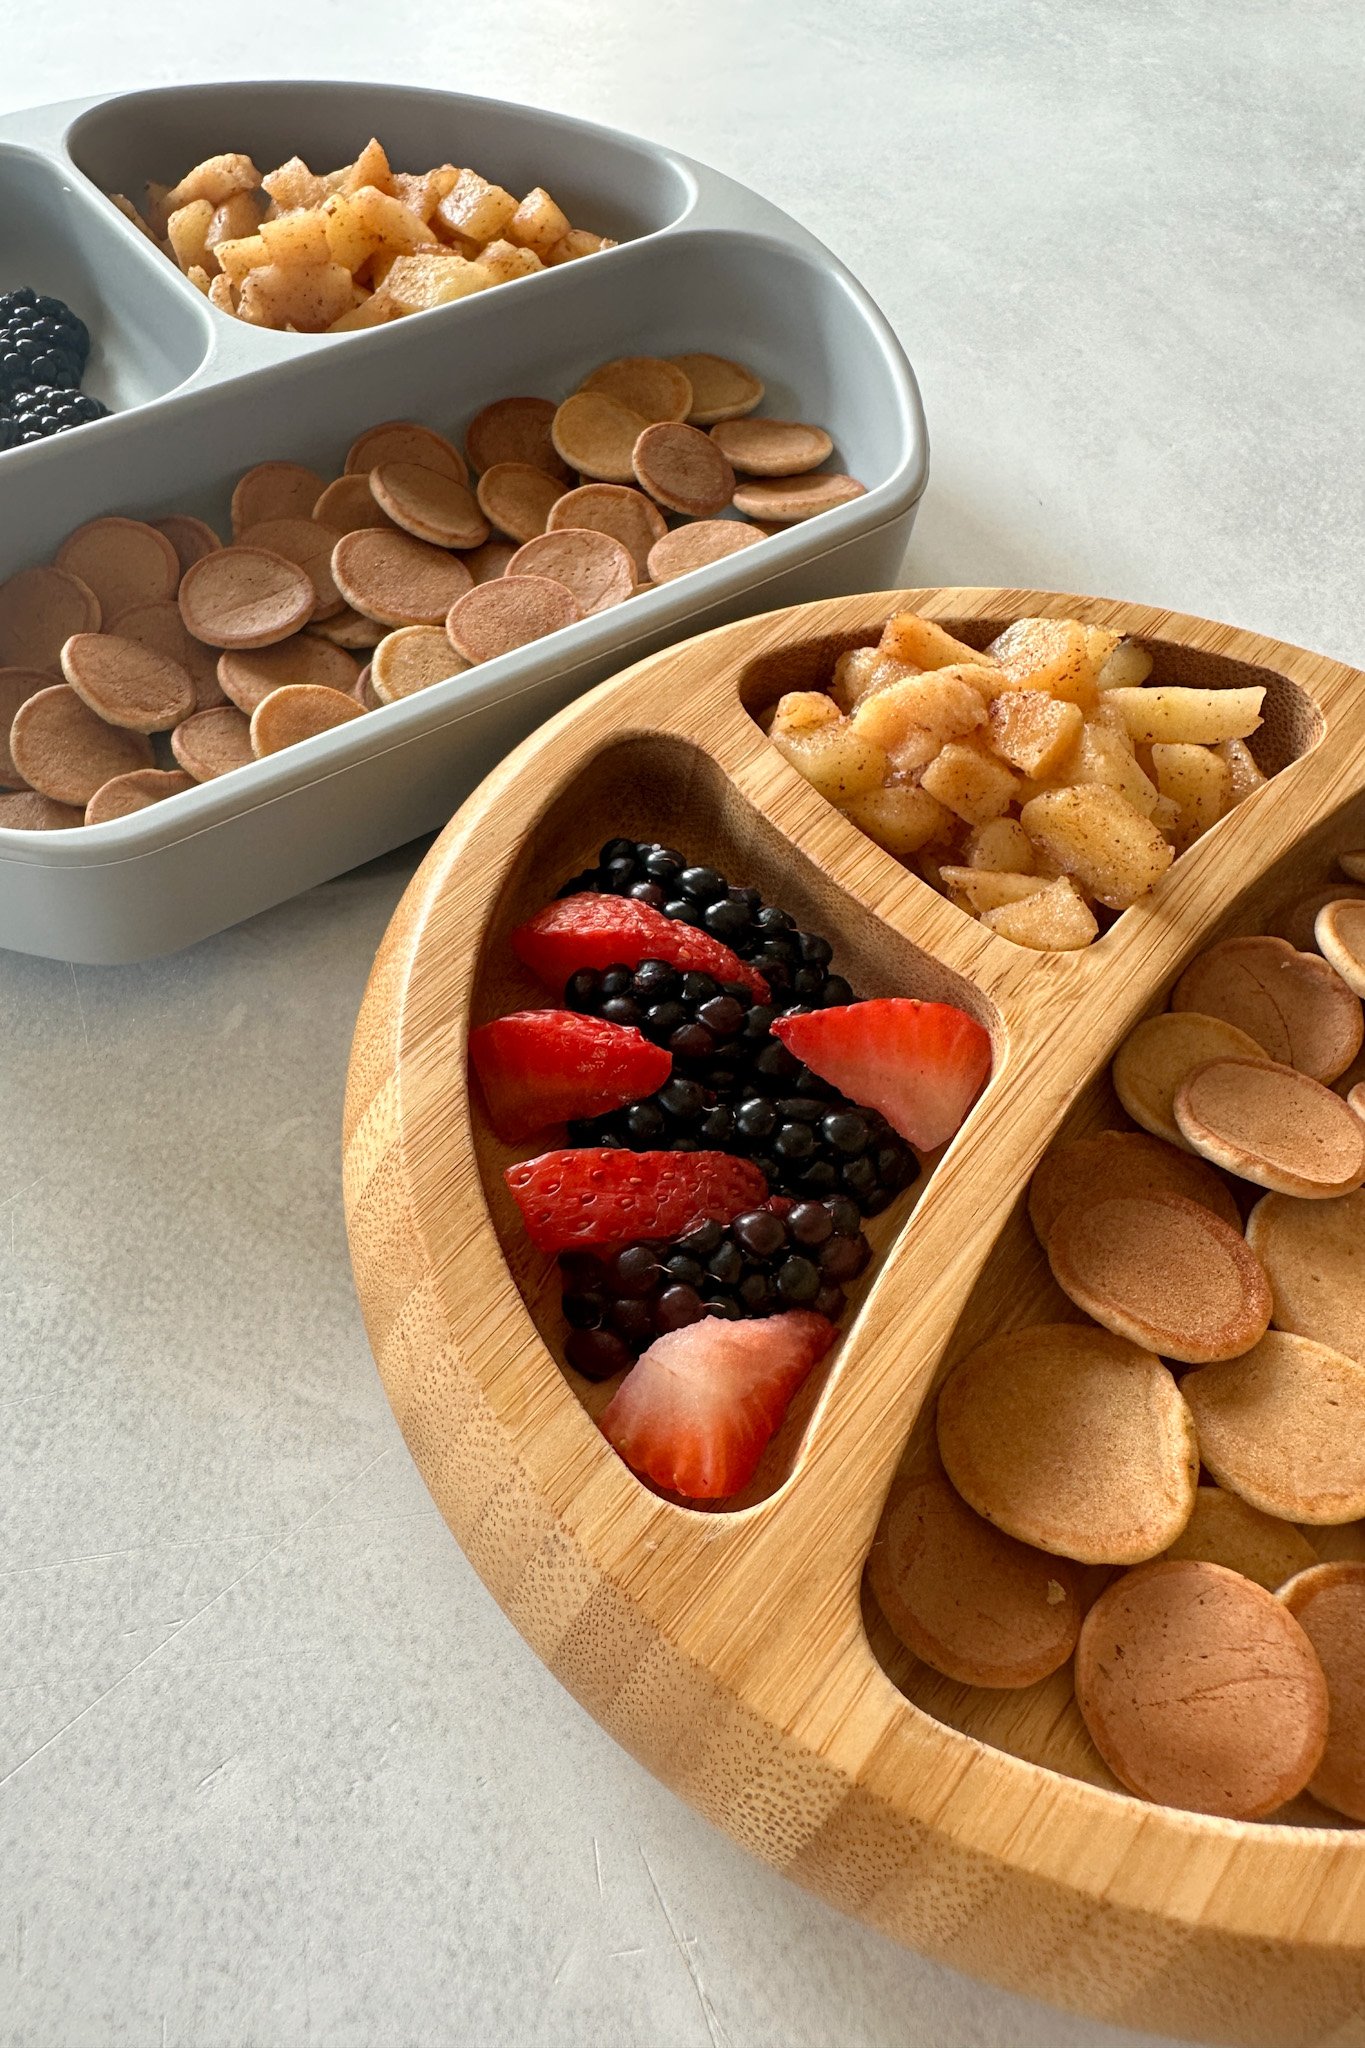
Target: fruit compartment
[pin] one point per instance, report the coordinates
(1014, 1288)
(1293, 723)
(604, 180)
(146, 337)
(657, 786)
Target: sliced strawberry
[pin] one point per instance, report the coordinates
(592, 1197)
(921, 1064)
(540, 1067)
(616, 931)
(697, 1410)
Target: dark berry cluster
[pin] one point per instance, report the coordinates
(44, 348)
(794, 964)
(734, 1087)
(784, 1255)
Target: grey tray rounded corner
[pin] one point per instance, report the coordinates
(724, 270)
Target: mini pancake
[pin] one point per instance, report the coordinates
(515, 430)
(396, 580)
(1088, 1170)
(696, 546)
(783, 501)
(1328, 1602)
(65, 751)
(596, 436)
(490, 561)
(626, 515)
(1272, 1125)
(348, 505)
(192, 539)
(308, 545)
(274, 490)
(494, 618)
(39, 611)
(124, 794)
(1296, 924)
(1314, 1257)
(1071, 1440)
(124, 561)
(1164, 1272)
(1156, 1056)
(431, 507)
(350, 628)
(411, 659)
(26, 811)
(405, 441)
(250, 674)
(1293, 1004)
(683, 469)
(299, 711)
(17, 685)
(596, 570)
(1200, 1690)
(213, 743)
(772, 447)
(128, 684)
(245, 597)
(967, 1599)
(364, 689)
(1340, 932)
(1284, 1427)
(159, 627)
(1225, 1529)
(518, 498)
(1352, 864)
(650, 385)
(721, 389)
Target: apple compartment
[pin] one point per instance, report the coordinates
(1292, 723)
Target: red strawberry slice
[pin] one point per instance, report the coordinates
(921, 1064)
(540, 1067)
(616, 931)
(591, 1197)
(696, 1411)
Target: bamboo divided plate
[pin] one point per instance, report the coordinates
(734, 1652)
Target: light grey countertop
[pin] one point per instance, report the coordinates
(273, 1768)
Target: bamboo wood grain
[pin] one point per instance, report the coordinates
(730, 1651)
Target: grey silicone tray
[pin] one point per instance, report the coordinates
(704, 264)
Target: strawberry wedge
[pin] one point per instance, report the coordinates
(697, 1410)
(540, 1067)
(591, 1198)
(616, 931)
(921, 1064)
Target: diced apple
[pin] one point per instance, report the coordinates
(971, 782)
(1242, 766)
(1094, 834)
(1049, 654)
(908, 637)
(987, 888)
(1057, 920)
(899, 817)
(1033, 731)
(1167, 712)
(1001, 844)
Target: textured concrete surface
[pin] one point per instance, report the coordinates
(273, 1768)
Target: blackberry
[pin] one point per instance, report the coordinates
(787, 1255)
(42, 344)
(36, 415)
